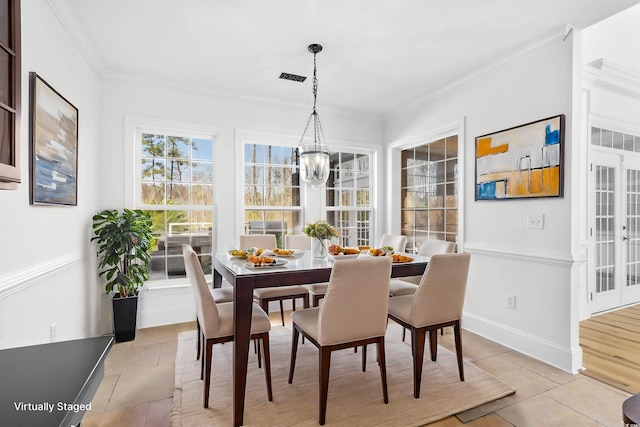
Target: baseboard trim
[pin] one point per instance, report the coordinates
(18, 280)
(566, 359)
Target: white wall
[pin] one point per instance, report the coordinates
(534, 265)
(46, 264)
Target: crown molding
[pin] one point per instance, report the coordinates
(608, 74)
(69, 22)
(556, 36)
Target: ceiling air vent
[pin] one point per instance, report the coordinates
(294, 77)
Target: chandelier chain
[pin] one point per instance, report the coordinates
(318, 134)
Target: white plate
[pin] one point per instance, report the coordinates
(294, 254)
(278, 263)
(343, 256)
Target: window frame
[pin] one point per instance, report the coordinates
(373, 166)
(134, 128)
(394, 166)
(10, 173)
(244, 137)
(430, 188)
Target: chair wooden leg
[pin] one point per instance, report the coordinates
(433, 344)
(305, 301)
(294, 351)
(202, 359)
(198, 340)
(255, 343)
(458, 340)
(267, 364)
(417, 342)
(207, 371)
(282, 310)
(383, 369)
(364, 358)
(325, 366)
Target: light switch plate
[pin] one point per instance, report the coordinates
(535, 221)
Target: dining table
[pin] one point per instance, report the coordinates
(298, 269)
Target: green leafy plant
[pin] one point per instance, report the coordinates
(124, 244)
(321, 230)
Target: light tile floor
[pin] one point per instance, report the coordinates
(138, 385)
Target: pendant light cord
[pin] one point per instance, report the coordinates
(318, 134)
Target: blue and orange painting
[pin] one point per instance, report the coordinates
(521, 162)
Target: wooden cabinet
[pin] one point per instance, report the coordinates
(10, 105)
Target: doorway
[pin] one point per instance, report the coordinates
(614, 231)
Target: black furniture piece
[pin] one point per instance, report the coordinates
(51, 384)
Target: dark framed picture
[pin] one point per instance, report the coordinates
(521, 162)
(54, 146)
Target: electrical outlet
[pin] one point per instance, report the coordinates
(52, 332)
(511, 301)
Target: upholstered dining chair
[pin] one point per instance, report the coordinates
(354, 313)
(297, 241)
(216, 322)
(265, 295)
(397, 241)
(437, 303)
(303, 242)
(408, 285)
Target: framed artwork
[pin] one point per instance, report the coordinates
(521, 162)
(54, 146)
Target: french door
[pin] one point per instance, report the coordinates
(614, 242)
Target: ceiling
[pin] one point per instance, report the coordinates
(378, 55)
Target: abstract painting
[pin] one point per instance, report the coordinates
(54, 146)
(521, 162)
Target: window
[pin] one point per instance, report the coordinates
(348, 200)
(9, 94)
(271, 190)
(176, 171)
(430, 192)
(617, 140)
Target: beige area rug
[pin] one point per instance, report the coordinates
(355, 397)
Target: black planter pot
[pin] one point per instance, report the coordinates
(125, 312)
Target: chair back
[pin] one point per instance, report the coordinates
(440, 295)
(397, 241)
(356, 302)
(264, 241)
(206, 308)
(431, 247)
(297, 241)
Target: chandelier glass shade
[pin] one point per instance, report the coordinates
(314, 157)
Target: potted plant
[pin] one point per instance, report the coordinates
(124, 244)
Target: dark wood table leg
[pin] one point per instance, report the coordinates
(243, 300)
(217, 279)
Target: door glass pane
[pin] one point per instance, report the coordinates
(604, 243)
(633, 221)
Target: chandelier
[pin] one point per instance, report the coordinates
(314, 158)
